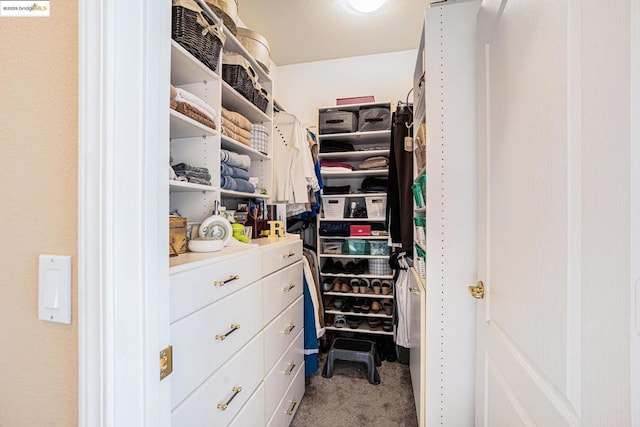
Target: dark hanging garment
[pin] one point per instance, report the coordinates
(399, 196)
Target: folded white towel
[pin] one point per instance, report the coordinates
(184, 96)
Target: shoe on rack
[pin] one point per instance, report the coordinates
(387, 307)
(350, 268)
(355, 285)
(376, 285)
(337, 285)
(361, 266)
(376, 307)
(328, 266)
(365, 286)
(344, 288)
(386, 287)
(340, 321)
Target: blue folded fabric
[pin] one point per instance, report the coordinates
(232, 171)
(234, 159)
(311, 344)
(236, 184)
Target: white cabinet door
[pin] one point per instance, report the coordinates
(553, 245)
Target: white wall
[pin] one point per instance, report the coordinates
(302, 88)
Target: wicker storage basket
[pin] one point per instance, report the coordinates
(260, 97)
(201, 37)
(238, 73)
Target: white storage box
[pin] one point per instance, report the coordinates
(376, 206)
(333, 207)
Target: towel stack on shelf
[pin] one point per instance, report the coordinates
(236, 126)
(234, 172)
(193, 174)
(193, 107)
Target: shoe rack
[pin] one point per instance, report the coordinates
(356, 281)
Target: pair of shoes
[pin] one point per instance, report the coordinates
(387, 307)
(355, 285)
(328, 321)
(366, 308)
(376, 307)
(386, 287)
(357, 305)
(374, 323)
(346, 306)
(377, 286)
(338, 302)
(354, 322)
(337, 285)
(340, 321)
(387, 325)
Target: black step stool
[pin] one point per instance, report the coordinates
(354, 350)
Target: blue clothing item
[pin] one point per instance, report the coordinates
(236, 184)
(311, 344)
(234, 159)
(232, 171)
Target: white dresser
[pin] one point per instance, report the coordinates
(237, 335)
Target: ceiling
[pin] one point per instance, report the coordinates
(314, 30)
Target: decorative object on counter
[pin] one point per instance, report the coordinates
(238, 233)
(206, 245)
(200, 36)
(228, 11)
(216, 227)
(257, 45)
(178, 234)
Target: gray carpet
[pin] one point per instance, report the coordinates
(347, 398)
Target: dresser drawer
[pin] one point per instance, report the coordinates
(252, 414)
(289, 404)
(280, 333)
(280, 289)
(279, 255)
(221, 397)
(199, 343)
(193, 289)
(279, 379)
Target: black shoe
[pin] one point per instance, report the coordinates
(328, 266)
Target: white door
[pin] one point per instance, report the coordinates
(553, 330)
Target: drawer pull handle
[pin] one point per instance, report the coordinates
(292, 366)
(288, 288)
(288, 255)
(291, 327)
(224, 282)
(235, 390)
(293, 407)
(234, 327)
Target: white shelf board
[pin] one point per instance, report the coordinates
(360, 329)
(352, 220)
(240, 148)
(185, 68)
(354, 256)
(359, 137)
(182, 186)
(358, 276)
(353, 155)
(356, 107)
(354, 174)
(351, 294)
(232, 100)
(352, 313)
(354, 195)
(241, 195)
(355, 237)
(182, 126)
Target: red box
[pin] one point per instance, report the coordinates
(360, 230)
(355, 100)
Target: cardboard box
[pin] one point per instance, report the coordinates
(355, 100)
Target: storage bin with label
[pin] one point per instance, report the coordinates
(333, 208)
(332, 247)
(239, 74)
(357, 247)
(338, 122)
(376, 206)
(378, 247)
(260, 138)
(373, 119)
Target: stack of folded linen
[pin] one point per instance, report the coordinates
(193, 107)
(326, 166)
(236, 126)
(234, 172)
(376, 162)
(193, 174)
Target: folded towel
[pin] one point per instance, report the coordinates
(193, 112)
(234, 159)
(376, 162)
(194, 180)
(325, 163)
(235, 129)
(172, 92)
(188, 167)
(232, 171)
(184, 96)
(236, 137)
(237, 184)
(237, 119)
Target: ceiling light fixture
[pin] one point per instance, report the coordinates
(366, 6)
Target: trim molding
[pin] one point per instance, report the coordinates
(122, 189)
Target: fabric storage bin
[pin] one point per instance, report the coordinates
(337, 229)
(378, 247)
(239, 74)
(188, 24)
(372, 119)
(332, 247)
(333, 207)
(260, 138)
(356, 247)
(338, 122)
(379, 267)
(360, 230)
(376, 206)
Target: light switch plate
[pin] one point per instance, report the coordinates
(54, 288)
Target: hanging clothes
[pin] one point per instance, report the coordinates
(403, 314)
(293, 167)
(399, 197)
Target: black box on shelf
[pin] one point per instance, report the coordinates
(338, 122)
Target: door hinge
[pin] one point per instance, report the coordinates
(166, 362)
